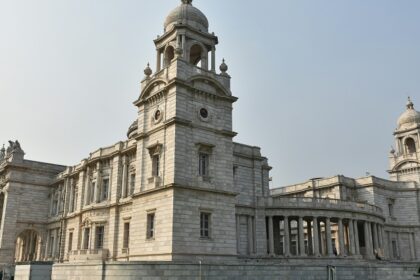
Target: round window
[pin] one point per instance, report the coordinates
(157, 115)
(204, 113)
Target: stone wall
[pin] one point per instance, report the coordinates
(39, 271)
(266, 269)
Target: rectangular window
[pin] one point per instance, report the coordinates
(86, 236)
(150, 226)
(132, 182)
(92, 192)
(126, 240)
(70, 241)
(394, 249)
(105, 189)
(204, 225)
(99, 237)
(203, 164)
(55, 207)
(51, 249)
(391, 209)
(156, 165)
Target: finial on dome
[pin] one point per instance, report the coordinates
(188, 2)
(148, 71)
(410, 104)
(223, 67)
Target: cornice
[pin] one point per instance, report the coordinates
(184, 122)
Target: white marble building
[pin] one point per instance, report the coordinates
(179, 190)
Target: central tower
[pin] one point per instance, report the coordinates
(184, 139)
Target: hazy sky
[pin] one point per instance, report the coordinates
(320, 83)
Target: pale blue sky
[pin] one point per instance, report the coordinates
(320, 83)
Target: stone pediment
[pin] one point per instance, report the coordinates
(153, 88)
(406, 164)
(209, 85)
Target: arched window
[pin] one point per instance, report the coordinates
(196, 54)
(169, 55)
(411, 145)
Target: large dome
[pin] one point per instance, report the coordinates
(409, 118)
(187, 14)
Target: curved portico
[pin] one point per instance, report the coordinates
(316, 227)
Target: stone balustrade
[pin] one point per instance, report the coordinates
(88, 254)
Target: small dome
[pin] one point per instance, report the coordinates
(409, 118)
(132, 130)
(187, 14)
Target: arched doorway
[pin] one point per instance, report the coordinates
(28, 245)
(411, 145)
(196, 55)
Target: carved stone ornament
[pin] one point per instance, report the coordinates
(86, 223)
(2, 181)
(155, 149)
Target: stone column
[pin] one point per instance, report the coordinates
(184, 47)
(20, 250)
(124, 177)
(301, 237)
(250, 236)
(341, 237)
(356, 238)
(270, 236)
(70, 196)
(97, 190)
(286, 244)
(352, 245)
(92, 237)
(316, 237)
(205, 62)
(309, 234)
(374, 236)
(238, 228)
(158, 61)
(81, 191)
(87, 187)
(368, 240)
(31, 244)
(385, 242)
(276, 235)
(379, 232)
(213, 59)
(328, 237)
(26, 247)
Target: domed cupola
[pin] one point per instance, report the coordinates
(187, 14)
(132, 130)
(410, 118)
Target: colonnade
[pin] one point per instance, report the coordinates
(324, 237)
(27, 246)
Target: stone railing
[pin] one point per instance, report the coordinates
(318, 203)
(88, 254)
(400, 157)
